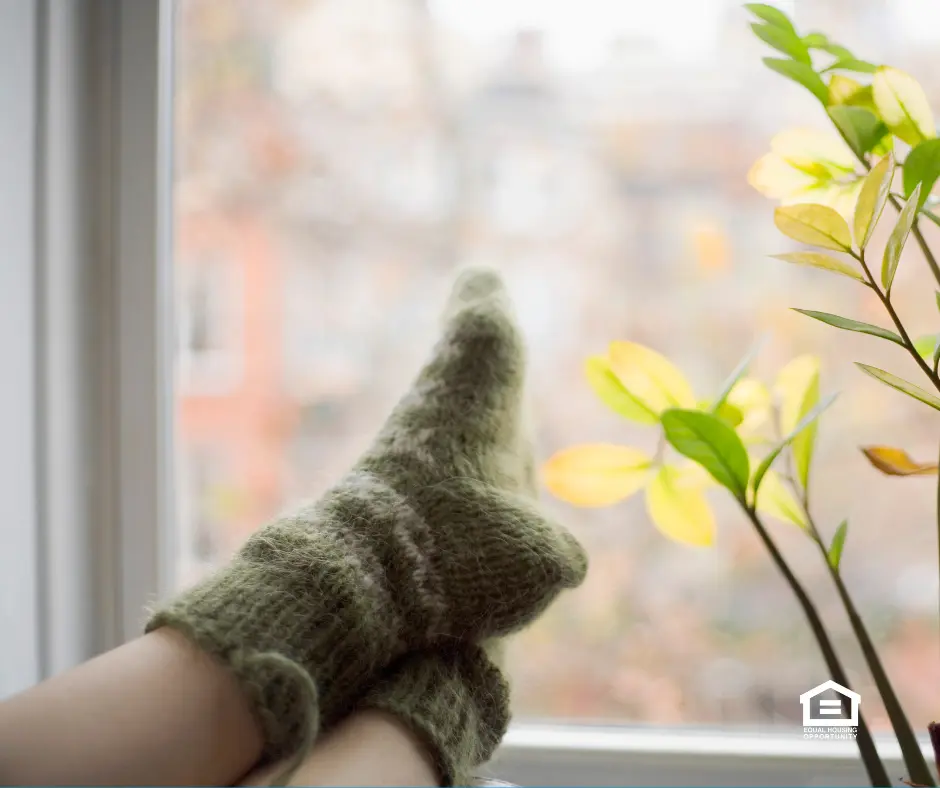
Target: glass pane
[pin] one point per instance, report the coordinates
(339, 158)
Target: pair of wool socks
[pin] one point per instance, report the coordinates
(379, 593)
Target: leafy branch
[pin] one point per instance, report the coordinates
(716, 447)
(832, 555)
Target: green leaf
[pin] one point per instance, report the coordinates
(935, 359)
(926, 345)
(937, 298)
(613, 393)
(797, 387)
(852, 64)
(859, 127)
(922, 166)
(903, 105)
(898, 237)
(711, 443)
(852, 325)
(801, 74)
(771, 15)
(775, 499)
(805, 422)
(823, 261)
(736, 374)
(816, 40)
(729, 414)
(872, 199)
(838, 542)
(901, 385)
(836, 50)
(814, 224)
(783, 41)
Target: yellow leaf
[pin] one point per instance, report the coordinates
(775, 178)
(842, 89)
(814, 224)
(793, 386)
(864, 98)
(611, 392)
(677, 506)
(902, 105)
(649, 377)
(825, 261)
(797, 387)
(871, 200)
(775, 499)
(799, 161)
(897, 462)
(841, 196)
(816, 153)
(597, 474)
(753, 399)
(694, 475)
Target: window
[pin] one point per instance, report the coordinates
(207, 508)
(358, 150)
(208, 314)
(334, 161)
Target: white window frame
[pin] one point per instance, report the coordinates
(86, 412)
(20, 598)
(85, 99)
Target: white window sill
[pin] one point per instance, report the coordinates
(554, 754)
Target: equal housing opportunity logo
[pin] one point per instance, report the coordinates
(830, 711)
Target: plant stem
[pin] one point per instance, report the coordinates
(877, 774)
(885, 299)
(918, 235)
(934, 730)
(921, 242)
(917, 770)
(660, 449)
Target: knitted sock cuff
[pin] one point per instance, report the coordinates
(281, 694)
(455, 699)
(294, 647)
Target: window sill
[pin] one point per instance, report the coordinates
(555, 754)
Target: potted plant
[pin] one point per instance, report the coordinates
(755, 441)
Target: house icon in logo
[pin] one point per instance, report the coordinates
(822, 711)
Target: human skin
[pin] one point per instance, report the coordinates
(157, 711)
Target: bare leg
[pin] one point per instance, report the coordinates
(367, 748)
(155, 711)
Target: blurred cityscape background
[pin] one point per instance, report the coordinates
(337, 159)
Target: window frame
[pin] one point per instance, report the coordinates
(90, 414)
(87, 423)
(22, 658)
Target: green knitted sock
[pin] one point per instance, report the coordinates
(455, 699)
(431, 536)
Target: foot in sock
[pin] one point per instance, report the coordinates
(454, 699)
(433, 536)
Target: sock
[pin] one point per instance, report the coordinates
(432, 536)
(455, 699)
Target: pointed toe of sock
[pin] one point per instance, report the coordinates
(480, 319)
(477, 286)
